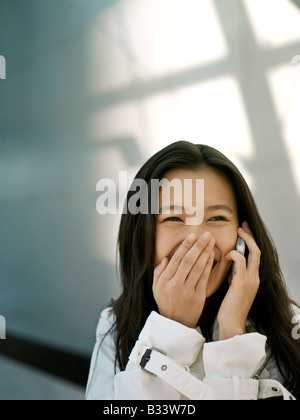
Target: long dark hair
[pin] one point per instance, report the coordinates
(271, 311)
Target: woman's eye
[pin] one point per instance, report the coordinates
(173, 219)
(218, 218)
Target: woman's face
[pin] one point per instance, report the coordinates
(220, 219)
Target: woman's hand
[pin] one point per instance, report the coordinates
(179, 287)
(236, 305)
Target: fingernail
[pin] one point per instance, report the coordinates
(205, 236)
(191, 237)
(163, 261)
(212, 241)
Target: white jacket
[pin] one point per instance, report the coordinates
(238, 368)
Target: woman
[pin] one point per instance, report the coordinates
(185, 326)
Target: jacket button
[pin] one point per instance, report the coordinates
(274, 389)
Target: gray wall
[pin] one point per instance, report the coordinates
(52, 286)
(94, 87)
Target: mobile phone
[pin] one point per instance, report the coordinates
(241, 248)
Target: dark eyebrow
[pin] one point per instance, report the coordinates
(220, 207)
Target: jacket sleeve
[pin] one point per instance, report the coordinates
(100, 385)
(179, 342)
(231, 368)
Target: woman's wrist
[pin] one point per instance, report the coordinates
(228, 332)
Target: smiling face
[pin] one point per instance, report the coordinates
(220, 219)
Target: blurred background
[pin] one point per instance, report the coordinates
(94, 87)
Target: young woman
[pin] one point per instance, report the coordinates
(184, 326)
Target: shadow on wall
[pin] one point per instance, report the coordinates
(248, 63)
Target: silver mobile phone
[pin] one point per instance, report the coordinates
(241, 248)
